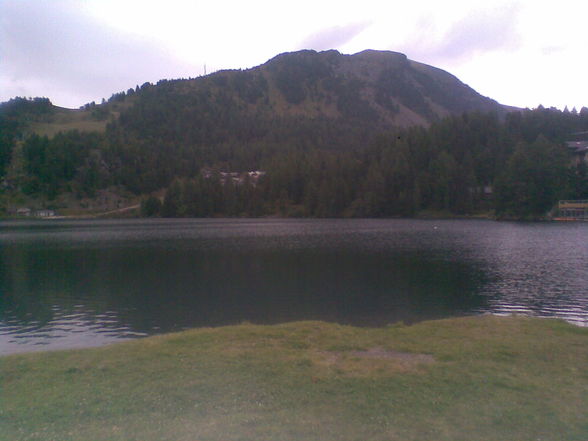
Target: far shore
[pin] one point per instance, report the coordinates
(132, 212)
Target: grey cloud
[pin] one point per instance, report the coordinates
(52, 49)
(480, 31)
(334, 37)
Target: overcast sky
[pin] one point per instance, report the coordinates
(522, 53)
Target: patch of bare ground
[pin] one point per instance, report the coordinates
(374, 361)
(394, 355)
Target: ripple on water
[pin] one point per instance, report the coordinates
(66, 330)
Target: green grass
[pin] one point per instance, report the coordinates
(69, 119)
(476, 378)
(51, 129)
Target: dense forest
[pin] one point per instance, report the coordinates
(186, 147)
(464, 164)
(473, 163)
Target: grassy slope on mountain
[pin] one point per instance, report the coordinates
(64, 120)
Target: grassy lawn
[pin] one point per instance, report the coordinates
(51, 129)
(475, 378)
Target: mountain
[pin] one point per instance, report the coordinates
(369, 91)
(369, 134)
(305, 99)
(382, 88)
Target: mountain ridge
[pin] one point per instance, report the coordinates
(383, 89)
(386, 85)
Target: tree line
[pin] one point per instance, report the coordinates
(462, 165)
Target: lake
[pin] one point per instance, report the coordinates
(69, 284)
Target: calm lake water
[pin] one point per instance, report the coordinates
(66, 284)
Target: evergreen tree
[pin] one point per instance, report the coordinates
(151, 206)
(534, 179)
(172, 203)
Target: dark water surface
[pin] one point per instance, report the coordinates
(67, 284)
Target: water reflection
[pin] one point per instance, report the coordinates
(87, 283)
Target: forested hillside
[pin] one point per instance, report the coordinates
(465, 164)
(372, 134)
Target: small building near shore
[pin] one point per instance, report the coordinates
(579, 151)
(237, 178)
(573, 210)
(577, 145)
(44, 213)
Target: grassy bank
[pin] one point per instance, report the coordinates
(476, 378)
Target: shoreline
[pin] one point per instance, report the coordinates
(39, 349)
